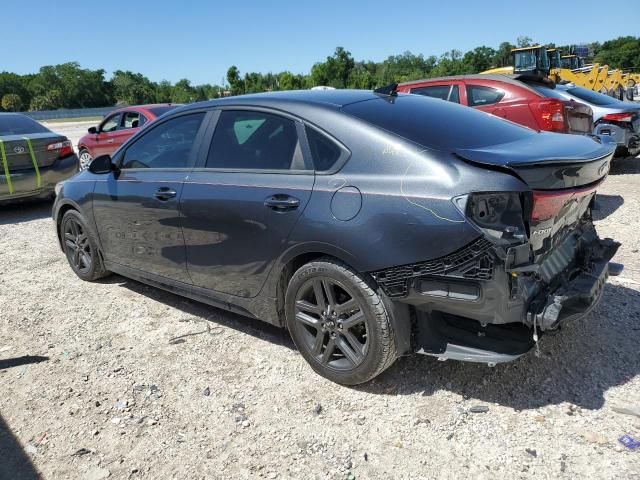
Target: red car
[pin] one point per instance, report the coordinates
(508, 98)
(116, 128)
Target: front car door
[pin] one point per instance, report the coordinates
(240, 205)
(104, 138)
(136, 209)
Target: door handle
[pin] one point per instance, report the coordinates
(110, 140)
(165, 193)
(282, 203)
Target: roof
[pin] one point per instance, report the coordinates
(334, 99)
(510, 79)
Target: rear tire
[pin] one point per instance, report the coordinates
(339, 323)
(81, 248)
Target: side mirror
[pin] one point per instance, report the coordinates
(101, 164)
(93, 130)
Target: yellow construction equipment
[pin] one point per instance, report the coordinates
(538, 61)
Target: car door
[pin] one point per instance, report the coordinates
(241, 203)
(105, 136)
(136, 208)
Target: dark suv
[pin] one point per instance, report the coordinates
(371, 225)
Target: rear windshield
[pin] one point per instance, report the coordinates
(157, 111)
(19, 125)
(437, 124)
(547, 92)
(592, 97)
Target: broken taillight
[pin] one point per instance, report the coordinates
(497, 214)
(548, 203)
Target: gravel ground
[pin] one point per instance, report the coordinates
(116, 379)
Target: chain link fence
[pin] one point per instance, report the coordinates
(70, 113)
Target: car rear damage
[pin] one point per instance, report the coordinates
(537, 263)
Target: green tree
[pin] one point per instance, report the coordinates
(524, 41)
(11, 102)
(132, 88)
(183, 92)
(235, 82)
(622, 52)
(335, 71)
(479, 59)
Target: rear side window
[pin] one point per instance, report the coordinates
(478, 95)
(132, 120)
(247, 140)
(19, 125)
(166, 146)
(443, 92)
(324, 151)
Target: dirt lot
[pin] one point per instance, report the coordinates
(116, 379)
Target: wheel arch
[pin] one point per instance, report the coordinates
(399, 313)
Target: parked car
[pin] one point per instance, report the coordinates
(508, 98)
(33, 158)
(370, 225)
(116, 128)
(620, 121)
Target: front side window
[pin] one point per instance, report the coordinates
(249, 140)
(478, 96)
(168, 145)
(111, 124)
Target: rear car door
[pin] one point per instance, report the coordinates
(486, 98)
(136, 209)
(240, 204)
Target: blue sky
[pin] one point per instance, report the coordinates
(199, 40)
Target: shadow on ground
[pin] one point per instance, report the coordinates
(25, 211)
(577, 365)
(14, 462)
(250, 326)
(624, 166)
(607, 205)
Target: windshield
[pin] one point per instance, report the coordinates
(19, 125)
(525, 61)
(547, 92)
(157, 111)
(593, 97)
(436, 124)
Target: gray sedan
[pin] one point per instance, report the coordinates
(612, 118)
(32, 158)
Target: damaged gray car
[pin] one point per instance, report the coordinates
(369, 224)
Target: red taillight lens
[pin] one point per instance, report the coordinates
(64, 148)
(550, 115)
(547, 204)
(619, 117)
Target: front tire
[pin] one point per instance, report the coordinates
(85, 158)
(81, 248)
(339, 323)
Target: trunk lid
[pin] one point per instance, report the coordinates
(579, 117)
(17, 149)
(563, 173)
